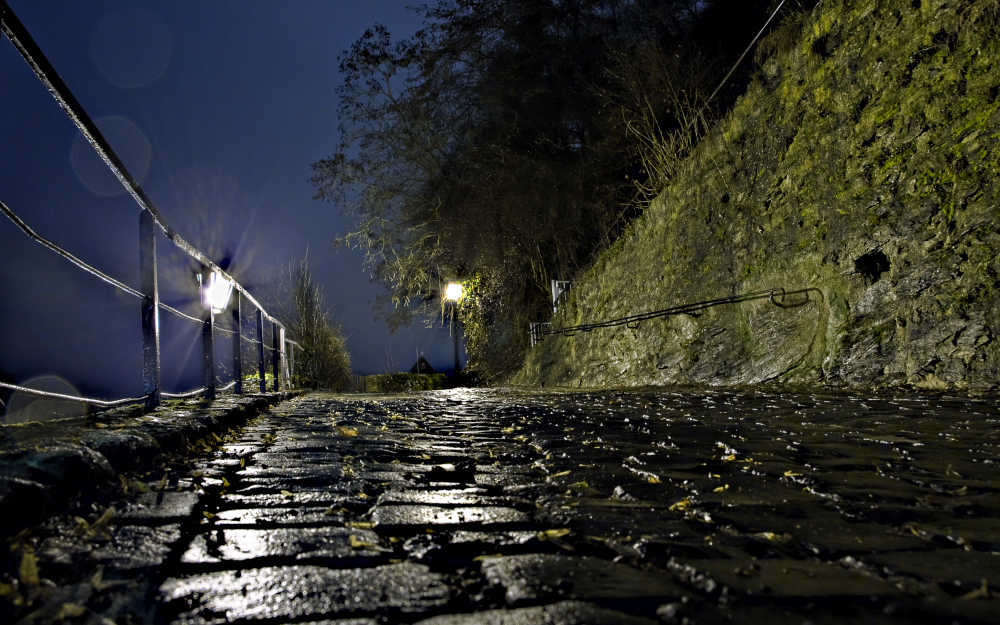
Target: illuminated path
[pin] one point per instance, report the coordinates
(492, 507)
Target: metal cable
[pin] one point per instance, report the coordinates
(83, 265)
(633, 321)
(85, 400)
(107, 403)
(58, 250)
(266, 346)
(183, 395)
(180, 314)
(740, 60)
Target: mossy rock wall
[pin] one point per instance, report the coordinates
(862, 163)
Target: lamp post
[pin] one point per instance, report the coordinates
(215, 293)
(453, 294)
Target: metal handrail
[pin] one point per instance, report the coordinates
(150, 216)
(32, 54)
(634, 321)
(196, 392)
(86, 400)
(102, 402)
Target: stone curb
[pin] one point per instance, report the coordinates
(67, 473)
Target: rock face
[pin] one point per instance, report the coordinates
(859, 170)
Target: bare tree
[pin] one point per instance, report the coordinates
(324, 362)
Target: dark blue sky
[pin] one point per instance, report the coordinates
(220, 107)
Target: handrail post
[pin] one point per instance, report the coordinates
(148, 285)
(261, 368)
(208, 340)
(276, 356)
(284, 361)
(237, 345)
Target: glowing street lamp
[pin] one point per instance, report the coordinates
(453, 294)
(215, 292)
(454, 291)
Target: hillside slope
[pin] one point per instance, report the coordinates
(863, 163)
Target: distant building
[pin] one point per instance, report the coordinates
(422, 366)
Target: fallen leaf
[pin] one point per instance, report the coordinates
(655, 480)
(287, 493)
(729, 458)
(778, 538)
(209, 515)
(683, 504)
(99, 529)
(357, 543)
(721, 489)
(346, 432)
(791, 473)
(80, 526)
(983, 592)
(489, 557)
(8, 590)
(553, 533)
(360, 525)
(225, 483)
(560, 474)
(28, 571)
(70, 610)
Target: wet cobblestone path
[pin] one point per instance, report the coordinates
(488, 506)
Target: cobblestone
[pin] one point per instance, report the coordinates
(495, 507)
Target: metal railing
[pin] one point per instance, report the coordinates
(281, 350)
(356, 383)
(538, 330)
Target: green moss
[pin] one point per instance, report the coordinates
(887, 114)
(982, 113)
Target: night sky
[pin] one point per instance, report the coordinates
(218, 108)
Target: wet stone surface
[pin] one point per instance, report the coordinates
(496, 507)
